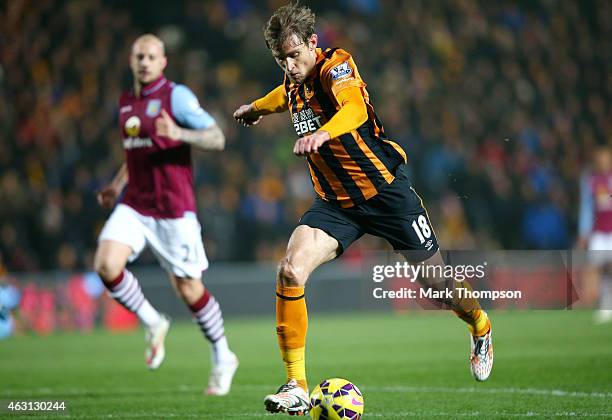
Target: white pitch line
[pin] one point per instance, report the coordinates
(485, 390)
(386, 415)
(504, 414)
(388, 389)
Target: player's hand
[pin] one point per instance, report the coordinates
(166, 127)
(108, 196)
(245, 116)
(310, 143)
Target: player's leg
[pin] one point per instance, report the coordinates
(207, 314)
(308, 248)
(122, 240)
(398, 215)
(466, 308)
(325, 231)
(469, 311)
(177, 244)
(600, 245)
(604, 313)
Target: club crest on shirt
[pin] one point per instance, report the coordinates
(340, 71)
(153, 108)
(309, 91)
(132, 126)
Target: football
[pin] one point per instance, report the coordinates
(336, 399)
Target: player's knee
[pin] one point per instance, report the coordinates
(107, 269)
(189, 289)
(291, 274)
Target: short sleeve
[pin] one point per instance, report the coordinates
(187, 110)
(340, 72)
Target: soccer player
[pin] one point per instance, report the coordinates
(595, 225)
(9, 300)
(160, 122)
(360, 179)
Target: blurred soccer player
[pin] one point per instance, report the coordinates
(160, 121)
(595, 225)
(9, 300)
(360, 178)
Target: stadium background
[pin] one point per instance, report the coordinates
(499, 106)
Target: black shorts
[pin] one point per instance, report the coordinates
(395, 214)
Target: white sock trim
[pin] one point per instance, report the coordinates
(148, 315)
(221, 351)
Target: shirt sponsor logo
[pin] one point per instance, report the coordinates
(132, 129)
(137, 143)
(132, 126)
(153, 108)
(341, 71)
(125, 109)
(306, 121)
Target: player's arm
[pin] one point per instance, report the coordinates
(585, 216)
(274, 102)
(196, 127)
(350, 116)
(108, 196)
(209, 138)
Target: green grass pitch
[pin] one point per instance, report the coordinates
(414, 365)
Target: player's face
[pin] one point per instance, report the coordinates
(147, 61)
(297, 58)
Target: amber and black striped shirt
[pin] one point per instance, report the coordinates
(353, 167)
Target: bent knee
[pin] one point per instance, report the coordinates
(107, 269)
(291, 274)
(190, 289)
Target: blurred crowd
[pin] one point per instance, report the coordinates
(498, 104)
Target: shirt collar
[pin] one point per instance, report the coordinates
(154, 86)
(320, 55)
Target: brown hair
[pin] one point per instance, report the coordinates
(288, 20)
